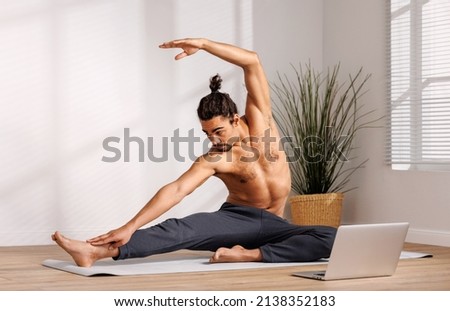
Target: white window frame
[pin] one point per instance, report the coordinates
(407, 137)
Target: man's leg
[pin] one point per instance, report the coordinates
(237, 233)
(306, 245)
(229, 226)
(285, 242)
(203, 231)
(281, 241)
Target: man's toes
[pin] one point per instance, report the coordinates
(214, 257)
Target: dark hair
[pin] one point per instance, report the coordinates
(217, 103)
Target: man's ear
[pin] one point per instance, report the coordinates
(236, 120)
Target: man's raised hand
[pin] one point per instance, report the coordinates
(189, 46)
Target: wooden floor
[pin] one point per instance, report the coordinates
(21, 269)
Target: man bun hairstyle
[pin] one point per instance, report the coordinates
(215, 83)
(216, 103)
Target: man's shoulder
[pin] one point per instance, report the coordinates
(217, 158)
(214, 155)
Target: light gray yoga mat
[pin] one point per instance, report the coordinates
(179, 265)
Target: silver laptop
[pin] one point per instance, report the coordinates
(359, 251)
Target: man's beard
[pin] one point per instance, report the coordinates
(221, 147)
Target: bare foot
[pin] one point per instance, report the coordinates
(236, 254)
(84, 254)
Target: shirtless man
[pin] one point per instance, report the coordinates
(247, 157)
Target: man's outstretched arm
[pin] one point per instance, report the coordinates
(167, 197)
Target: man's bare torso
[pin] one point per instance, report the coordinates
(256, 173)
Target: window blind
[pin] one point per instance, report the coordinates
(419, 84)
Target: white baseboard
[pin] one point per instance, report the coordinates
(439, 238)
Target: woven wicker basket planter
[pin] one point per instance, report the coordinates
(317, 209)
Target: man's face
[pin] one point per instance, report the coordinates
(221, 131)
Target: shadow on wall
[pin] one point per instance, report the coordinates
(77, 72)
(73, 73)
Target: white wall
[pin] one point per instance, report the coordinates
(77, 72)
(74, 73)
(354, 34)
(288, 32)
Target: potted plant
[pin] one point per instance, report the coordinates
(319, 119)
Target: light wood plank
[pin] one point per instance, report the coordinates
(21, 269)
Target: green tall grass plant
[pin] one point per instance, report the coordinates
(319, 119)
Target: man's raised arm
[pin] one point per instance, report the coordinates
(258, 100)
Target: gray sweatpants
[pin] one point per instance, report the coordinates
(250, 227)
